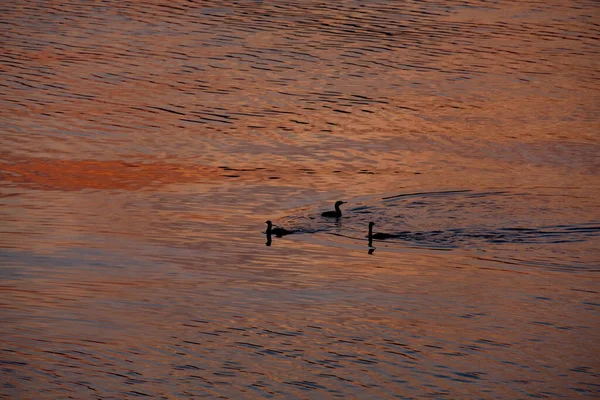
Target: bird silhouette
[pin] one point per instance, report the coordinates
(279, 232)
(379, 235)
(334, 214)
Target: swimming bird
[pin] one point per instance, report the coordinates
(334, 214)
(379, 235)
(279, 232)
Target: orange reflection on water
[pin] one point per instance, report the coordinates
(162, 136)
(91, 174)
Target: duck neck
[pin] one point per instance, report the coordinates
(268, 229)
(338, 212)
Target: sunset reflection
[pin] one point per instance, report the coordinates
(144, 145)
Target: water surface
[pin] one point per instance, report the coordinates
(144, 145)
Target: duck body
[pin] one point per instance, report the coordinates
(383, 236)
(380, 235)
(334, 214)
(278, 232)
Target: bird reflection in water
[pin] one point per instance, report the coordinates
(371, 247)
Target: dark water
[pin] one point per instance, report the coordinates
(145, 144)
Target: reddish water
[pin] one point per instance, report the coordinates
(144, 144)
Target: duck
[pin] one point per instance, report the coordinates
(379, 235)
(279, 232)
(334, 214)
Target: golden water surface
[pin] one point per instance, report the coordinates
(144, 144)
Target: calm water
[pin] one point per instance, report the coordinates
(144, 145)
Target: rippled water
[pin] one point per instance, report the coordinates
(144, 145)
